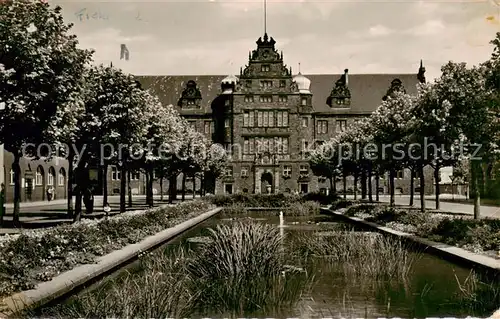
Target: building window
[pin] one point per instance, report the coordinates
(322, 127)
(249, 98)
(244, 171)
(266, 98)
(265, 118)
(115, 174)
(191, 102)
(136, 175)
(282, 118)
(226, 123)
(287, 171)
(208, 127)
(305, 146)
(282, 83)
(304, 170)
(229, 171)
(266, 84)
(62, 177)
(265, 68)
(228, 189)
(246, 115)
(248, 83)
(341, 125)
(39, 176)
(304, 188)
(305, 122)
(303, 101)
(400, 174)
(343, 101)
(282, 98)
(246, 142)
(12, 181)
(51, 177)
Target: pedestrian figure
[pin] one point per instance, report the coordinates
(50, 193)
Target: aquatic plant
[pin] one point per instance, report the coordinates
(362, 254)
(240, 271)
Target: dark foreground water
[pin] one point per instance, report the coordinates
(431, 289)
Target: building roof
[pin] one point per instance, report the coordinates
(366, 90)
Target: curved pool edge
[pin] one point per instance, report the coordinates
(70, 280)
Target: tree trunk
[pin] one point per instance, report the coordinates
(452, 190)
(77, 216)
(172, 184)
(123, 185)
(344, 181)
(370, 187)
(335, 185)
(69, 183)
(412, 185)
(331, 183)
(422, 187)
(151, 180)
(391, 187)
(363, 184)
(17, 188)
(129, 188)
(202, 184)
(105, 185)
(476, 169)
(161, 188)
(194, 186)
(355, 188)
(436, 181)
(377, 186)
(183, 186)
(146, 185)
(81, 182)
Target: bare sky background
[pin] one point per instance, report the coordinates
(213, 37)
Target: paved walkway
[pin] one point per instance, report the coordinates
(47, 214)
(486, 211)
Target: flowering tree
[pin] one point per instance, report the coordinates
(40, 72)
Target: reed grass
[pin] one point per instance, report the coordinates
(240, 270)
(477, 295)
(365, 255)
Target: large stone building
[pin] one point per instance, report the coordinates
(270, 118)
(266, 115)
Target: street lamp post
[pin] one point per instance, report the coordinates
(2, 168)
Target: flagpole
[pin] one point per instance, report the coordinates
(265, 16)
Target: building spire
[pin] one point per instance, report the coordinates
(299, 67)
(421, 72)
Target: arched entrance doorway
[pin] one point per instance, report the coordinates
(266, 183)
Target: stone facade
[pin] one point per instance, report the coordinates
(247, 115)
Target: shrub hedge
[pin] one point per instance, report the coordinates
(39, 255)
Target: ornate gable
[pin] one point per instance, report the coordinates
(191, 96)
(396, 86)
(340, 95)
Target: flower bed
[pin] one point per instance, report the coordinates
(39, 255)
(479, 236)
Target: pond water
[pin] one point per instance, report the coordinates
(430, 290)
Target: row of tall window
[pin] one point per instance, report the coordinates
(51, 177)
(265, 118)
(287, 171)
(269, 99)
(266, 83)
(273, 145)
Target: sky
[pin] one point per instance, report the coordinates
(200, 37)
